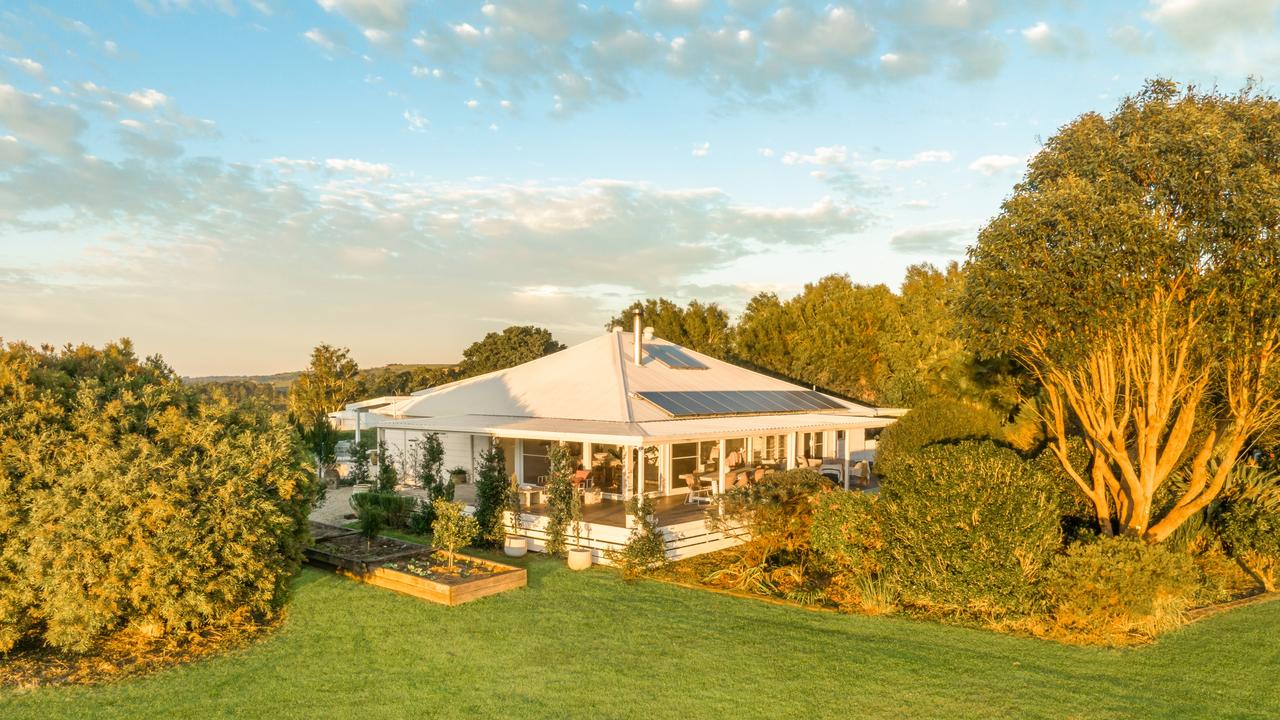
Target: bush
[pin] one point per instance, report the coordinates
(492, 491)
(940, 420)
(646, 549)
(777, 514)
(1247, 520)
(128, 501)
(845, 533)
(395, 510)
(967, 530)
(359, 474)
(563, 504)
(1118, 589)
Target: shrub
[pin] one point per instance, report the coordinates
(776, 513)
(421, 519)
(453, 528)
(646, 548)
(1114, 589)
(426, 462)
(370, 518)
(387, 476)
(846, 534)
(359, 474)
(1247, 520)
(492, 490)
(940, 420)
(395, 510)
(129, 501)
(563, 504)
(967, 530)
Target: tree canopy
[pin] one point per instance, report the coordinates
(327, 384)
(698, 326)
(500, 350)
(1134, 272)
(833, 335)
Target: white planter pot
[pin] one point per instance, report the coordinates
(579, 558)
(515, 546)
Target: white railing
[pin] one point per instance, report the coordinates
(683, 540)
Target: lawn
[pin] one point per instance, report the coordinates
(587, 645)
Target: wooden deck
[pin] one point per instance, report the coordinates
(671, 510)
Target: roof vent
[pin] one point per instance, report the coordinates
(648, 334)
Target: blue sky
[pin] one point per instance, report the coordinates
(230, 183)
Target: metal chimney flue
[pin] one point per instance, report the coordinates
(636, 334)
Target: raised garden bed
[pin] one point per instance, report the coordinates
(354, 554)
(324, 531)
(427, 576)
(414, 569)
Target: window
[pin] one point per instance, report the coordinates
(606, 468)
(537, 466)
(814, 445)
(652, 473)
(873, 433)
(735, 445)
(693, 458)
(769, 449)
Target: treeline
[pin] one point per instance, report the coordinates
(862, 341)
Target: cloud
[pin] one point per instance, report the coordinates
(931, 240)
(830, 155)
(993, 164)
(1201, 24)
(387, 16)
(672, 11)
(1131, 39)
(579, 55)
(359, 167)
(920, 158)
(324, 40)
(417, 123)
(701, 149)
(52, 127)
(28, 66)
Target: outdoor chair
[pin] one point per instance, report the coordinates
(697, 491)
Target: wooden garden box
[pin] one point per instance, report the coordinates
(507, 578)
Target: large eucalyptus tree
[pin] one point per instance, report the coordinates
(1135, 272)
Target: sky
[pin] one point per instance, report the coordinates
(231, 182)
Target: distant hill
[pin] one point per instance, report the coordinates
(285, 379)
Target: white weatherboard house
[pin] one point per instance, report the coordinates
(645, 416)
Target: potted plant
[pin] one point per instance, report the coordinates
(458, 475)
(579, 557)
(514, 544)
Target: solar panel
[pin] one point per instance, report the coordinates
(702, 403)
(673, 357)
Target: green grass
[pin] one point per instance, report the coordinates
(586, 645)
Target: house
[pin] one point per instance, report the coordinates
(644, 416)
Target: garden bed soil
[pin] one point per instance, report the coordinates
(426, 576)
(357, 555)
